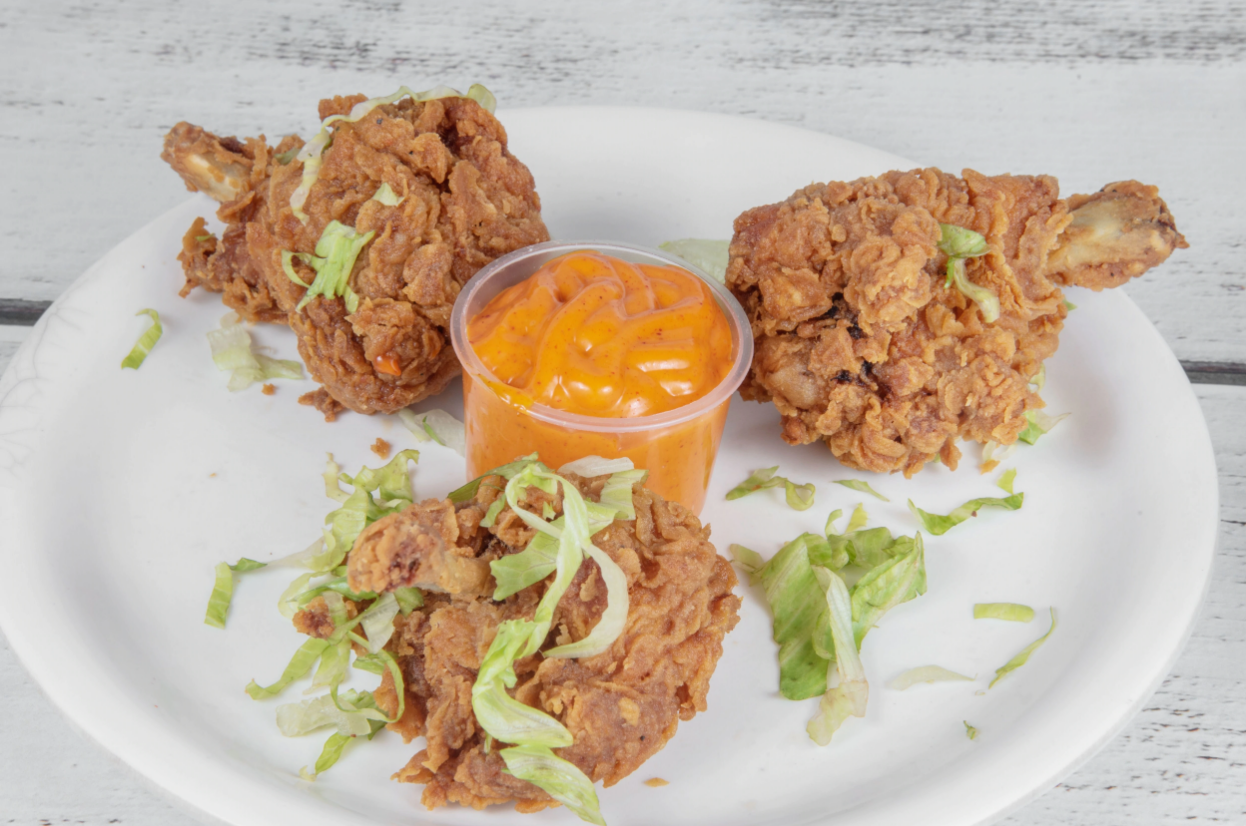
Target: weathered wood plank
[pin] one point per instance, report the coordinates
(1088, 92)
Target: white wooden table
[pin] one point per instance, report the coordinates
(1088, 92)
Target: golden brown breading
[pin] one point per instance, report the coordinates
(621, 706)
(858, 341)
(465, 201)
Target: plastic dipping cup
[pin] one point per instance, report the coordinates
(677, 447)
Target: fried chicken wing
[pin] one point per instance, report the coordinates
(621, 706)
(861, 343)
(457, 200)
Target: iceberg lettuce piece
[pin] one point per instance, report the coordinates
(710, 256)
(336, 251)
(925, 674)
(1040, 423)
(1010, 611)
(958, 244)
(939, 525)
(799, 497)
(1023, 656)
(138, 353)
(848, 697)
(560, 779)
(862, 487)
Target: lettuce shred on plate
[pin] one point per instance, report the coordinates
(233, 350)
(820, 621)
(861, 487)
(436, 426)
(138, 353)
(1010, 611)
(336, 251)
(799, 497)
(710, 256)
(939, 525)
(1023, 656)
(925, 674)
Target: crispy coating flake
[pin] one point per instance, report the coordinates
(860, 344)
(465, 200)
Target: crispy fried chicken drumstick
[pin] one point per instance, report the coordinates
(433, 183)
(862, 343)
(621, 705)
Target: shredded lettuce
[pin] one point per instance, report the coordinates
(1069, 305)
(710, 256)
(1040, 379)
(532, 732)
(970, 731)
(924, 674)
(336, 251)
(232, 350)
(590, 466)
(862, 487)
(848, 697)
(1023, 655)
(301, 663)
(311, 155)
(559, 778)
(958, 244)
(386, 195)
(1010, 611)
(939, 525)
(1006, 480)
(223, 589)
(1039, 424)
(437, 426)
(297, 719)
(799, 497)
(993, 453)
(378, 621)
(617, 492)
(138, 353)
(507, 471)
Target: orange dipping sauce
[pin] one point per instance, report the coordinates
(586, 354)
(594, 335)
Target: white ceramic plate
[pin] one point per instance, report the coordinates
(121, 489)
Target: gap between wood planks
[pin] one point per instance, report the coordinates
(26, 313)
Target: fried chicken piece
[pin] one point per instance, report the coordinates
(465, 200)
(621, 706)
(860, 344)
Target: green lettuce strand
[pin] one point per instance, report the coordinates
(925, 674)
(862, 487)
(336, 251)
(515, 572)
(958, 244)
(1009, 611)
(408, 599)
(749, 560)
(223, 589)
(222, 594)
(849, 697)
(887, 585)
(1006, 480)
(385, 194)
(710, 256)
(560, 779)
(797, 601)
(939, 525)
(617, 492)
(970, 731)
(1023, 655)
(332, 752)
(1039, 423)
(507, 471)
(138, 353)
(301, 663)
(799, 497)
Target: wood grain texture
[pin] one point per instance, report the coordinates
(1089, 92)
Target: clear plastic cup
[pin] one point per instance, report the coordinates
(677, 447)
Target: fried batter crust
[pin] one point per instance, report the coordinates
(465, 201)
(860, 344)
(621, 706)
